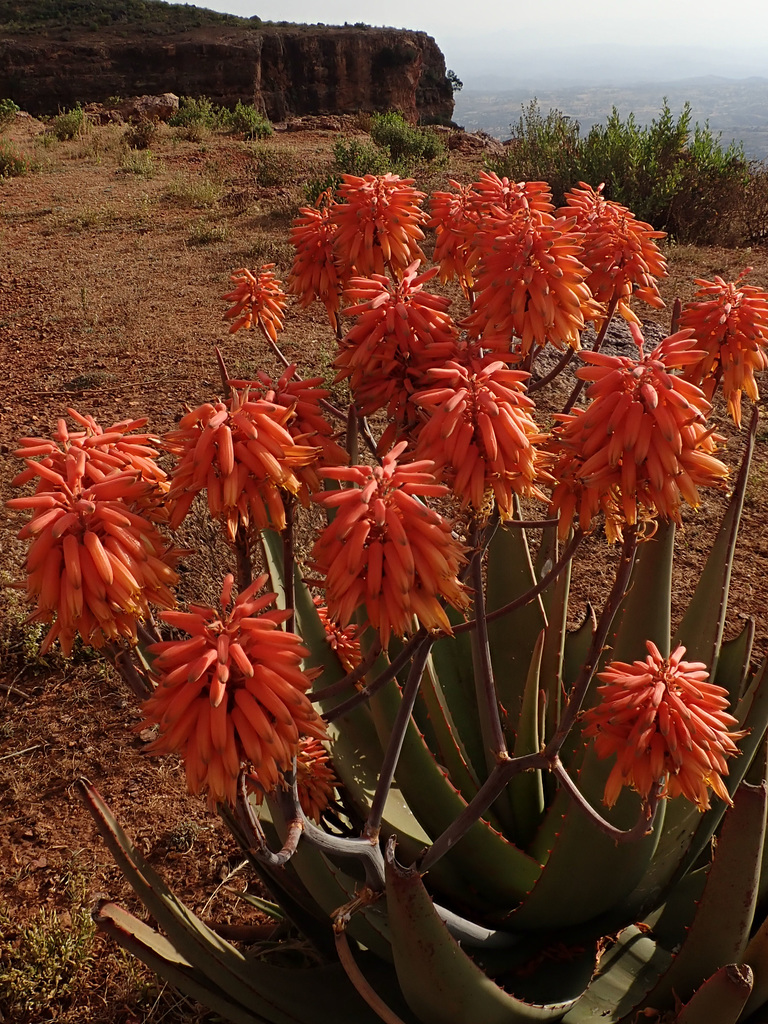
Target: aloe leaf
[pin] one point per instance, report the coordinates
(720, 930)
(625, 974)
(573, 848)
(552, 656)
(733, 664)
(701, 629)
(447, 736)
(452, 659)
(510, 573)
(257, 986)
(161, 956)
(495, 870)
(526, 791)
(441, 984)
(721, 997)
(646, 610)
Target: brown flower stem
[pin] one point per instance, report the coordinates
(275, 348)
(223, 373)
(558, 368)
(361, 849)
(534, 592)
(352, 441)
(252, 827)
(677, 309)
(390, 672)
(642, 827)
(243, 559)
(488, 793)
(573, 398)
(148, 632)
(130, 672)
(529, 524)
(397, 736)
(368, 437)
(611, 606)
(357, 978)
(487, 699)
(290, 507)
(352, 677)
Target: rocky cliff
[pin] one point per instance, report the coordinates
(284, 71)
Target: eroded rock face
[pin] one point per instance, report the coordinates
(285, 72)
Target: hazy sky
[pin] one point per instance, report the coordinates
(461, 27)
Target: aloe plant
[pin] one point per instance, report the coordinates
(528, 821)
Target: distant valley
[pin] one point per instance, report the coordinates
(737, 108)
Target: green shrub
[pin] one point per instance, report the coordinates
(139, 161)
(141, 134)
(544, 147)
(71, 124)
(392, 132)
(678, 177)
(12, 162)
(246, 120)
(195, 111)
(351, 156)
(8, 111)
(272, 166)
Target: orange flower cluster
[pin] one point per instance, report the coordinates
(379, 223)
(386, 549)
(619, 250)
(667, 726)
(242, 453)
(258, 299)
(480, 431)
(530, 284)
(232, 693)
(94, 564)
(730, 323)
(315, 273)
(308, 424)
(315, 779)
(454, 218)
(116, 448)
(497, 196)
(400, 331)
(642, 440)
(343, 641)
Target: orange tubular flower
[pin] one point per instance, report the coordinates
(343, 641)
(454, 217)
(480, 430)
(308, 424)
(387, 550)
(530, 284)
(107, 451)
(315, 273)
(379, 223)
(730, 323)
(400, 331)
(94, 565)
(620, 251)
(233, 693)
(242, 453)
(494, 196)
(258, 299)
(643, 439)
(668, 727)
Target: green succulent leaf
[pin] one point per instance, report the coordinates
(720, 930)
(441, 984)
(721, 997)
(701, 629)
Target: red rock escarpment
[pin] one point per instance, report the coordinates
(283, 71)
